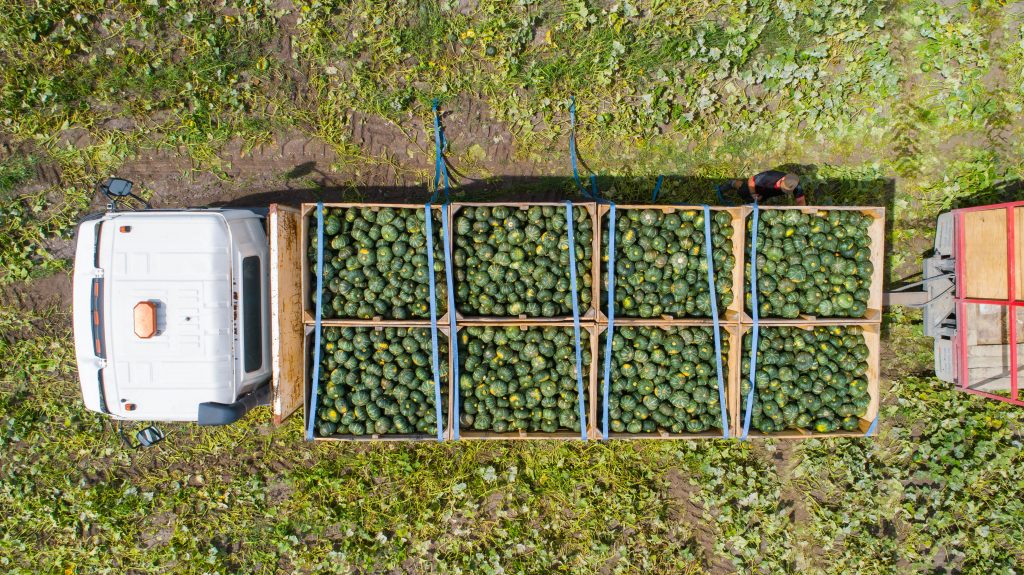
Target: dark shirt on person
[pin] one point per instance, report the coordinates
(769, 185)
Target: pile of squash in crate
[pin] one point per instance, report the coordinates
(525, 345)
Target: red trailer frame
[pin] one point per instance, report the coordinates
(1011, 303)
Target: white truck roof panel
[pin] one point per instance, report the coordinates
(181, 262)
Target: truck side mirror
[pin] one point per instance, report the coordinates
(118, 187)
(146, 437)
(149, 436)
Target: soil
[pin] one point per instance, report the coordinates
(278, 491)
(688, 512)
(161, 529)
(298, 167)
(48, 292)
(781, 454)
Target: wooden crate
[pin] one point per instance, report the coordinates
(308, 224)
(590, 382)
(872, 340)
(585, 314)
(730, 379)
(876, 233)
(308, 392)
(732, 313)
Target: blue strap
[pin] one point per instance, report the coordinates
(453, 336)
(714, 316)
(657, 188)
(756, 330)
(319, 310)
(593, 194)
(429, 230)
(611, 317)
(440, 168)
(576, 321)
(874, 427)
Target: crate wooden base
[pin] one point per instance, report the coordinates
(307, 219)
(731, 313)
(589, 314)
(876, 234)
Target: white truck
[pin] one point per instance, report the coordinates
(179, 316)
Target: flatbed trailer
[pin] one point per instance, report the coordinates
(972, 294)
(132, 283)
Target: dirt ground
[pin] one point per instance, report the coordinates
(397, 164)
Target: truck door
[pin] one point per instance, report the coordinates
(286, 311)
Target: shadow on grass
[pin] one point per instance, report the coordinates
(675, 189)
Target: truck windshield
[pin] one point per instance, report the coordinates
(252, 284)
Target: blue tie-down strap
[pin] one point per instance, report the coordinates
(429, 230)
(592, 193)
(873, 428)
(611, 320)
(714, 316)
(576, 322)
(755, 332)
(657, 188)
(453, 336)
(319, 315)
(440, 168)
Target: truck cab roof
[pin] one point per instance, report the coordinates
(170, 311)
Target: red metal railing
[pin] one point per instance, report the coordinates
(1011, 303)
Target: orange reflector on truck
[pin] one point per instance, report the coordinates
(145, 319)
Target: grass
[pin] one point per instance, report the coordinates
(913, 105)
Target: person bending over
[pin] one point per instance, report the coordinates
(769, 184)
